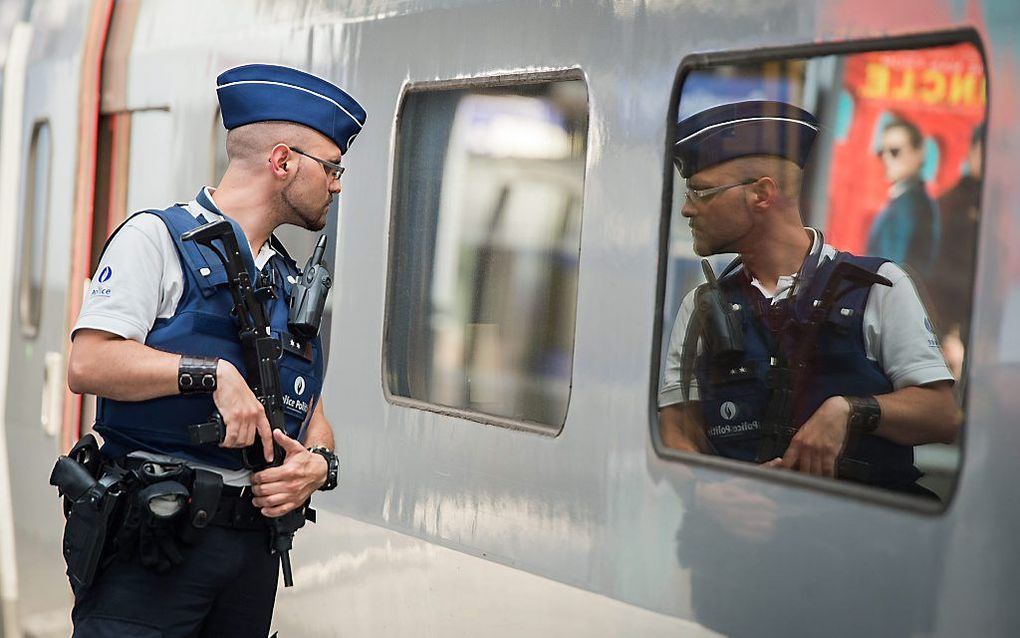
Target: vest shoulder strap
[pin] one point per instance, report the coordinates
(842, 282)
(206, 269)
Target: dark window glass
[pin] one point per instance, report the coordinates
(484, 249)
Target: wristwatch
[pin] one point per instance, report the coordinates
(332, 467)
(865, 413)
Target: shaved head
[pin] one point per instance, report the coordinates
(274, 170)
(253, 142)
(786, 173)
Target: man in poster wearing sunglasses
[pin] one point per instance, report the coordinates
(907, 229)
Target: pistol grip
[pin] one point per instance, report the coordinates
(212, 431)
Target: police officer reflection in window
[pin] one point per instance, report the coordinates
(906, 230)
(797, 356)
(156, 343)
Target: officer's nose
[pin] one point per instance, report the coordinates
(687, 210)
(335, 187)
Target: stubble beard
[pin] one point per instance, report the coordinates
(293, 214)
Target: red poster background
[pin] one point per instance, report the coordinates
(941, 90)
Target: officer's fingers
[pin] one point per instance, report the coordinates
(287, 443)
(829, 461)
(816, 464)
(266, 434)
(265, 489)
(230, 438)
(268, 489)
(269, 475)
(246, 433)
(829, 466)
(791, 456)
(241, 433)
(804, 460)
(271, 500)
(280, 510)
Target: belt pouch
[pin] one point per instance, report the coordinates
(205, 496)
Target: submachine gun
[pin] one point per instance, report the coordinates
(787, 379)
(261, 353)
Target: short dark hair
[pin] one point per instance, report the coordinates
(916, 138)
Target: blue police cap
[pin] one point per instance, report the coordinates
(266, 92)
(729, 131)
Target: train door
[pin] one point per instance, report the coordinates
(58, 125)
(104, 198)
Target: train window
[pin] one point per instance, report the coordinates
(881, 152)
(484, 250)
(34, 223)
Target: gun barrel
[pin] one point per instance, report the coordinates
(288, 576)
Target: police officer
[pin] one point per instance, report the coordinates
(830, 366)
(156, 343)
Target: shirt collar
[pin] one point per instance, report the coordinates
(786, 283)
(204, 205)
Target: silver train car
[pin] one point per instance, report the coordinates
(507, 264)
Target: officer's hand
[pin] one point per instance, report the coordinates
(279, 490)
(242, 413)
(819, 442)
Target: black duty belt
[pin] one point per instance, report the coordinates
(235, 510)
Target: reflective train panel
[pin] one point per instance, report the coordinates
(508, 261)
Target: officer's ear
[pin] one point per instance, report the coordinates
(281, 159)
(763, 192)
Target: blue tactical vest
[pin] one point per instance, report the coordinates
(202, 326)
(735, 395)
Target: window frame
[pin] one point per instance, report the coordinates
(27, 298)
(396, 201)
(707, 60)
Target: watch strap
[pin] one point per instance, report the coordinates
(196, 374)
(332, 467)
(865, 414)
